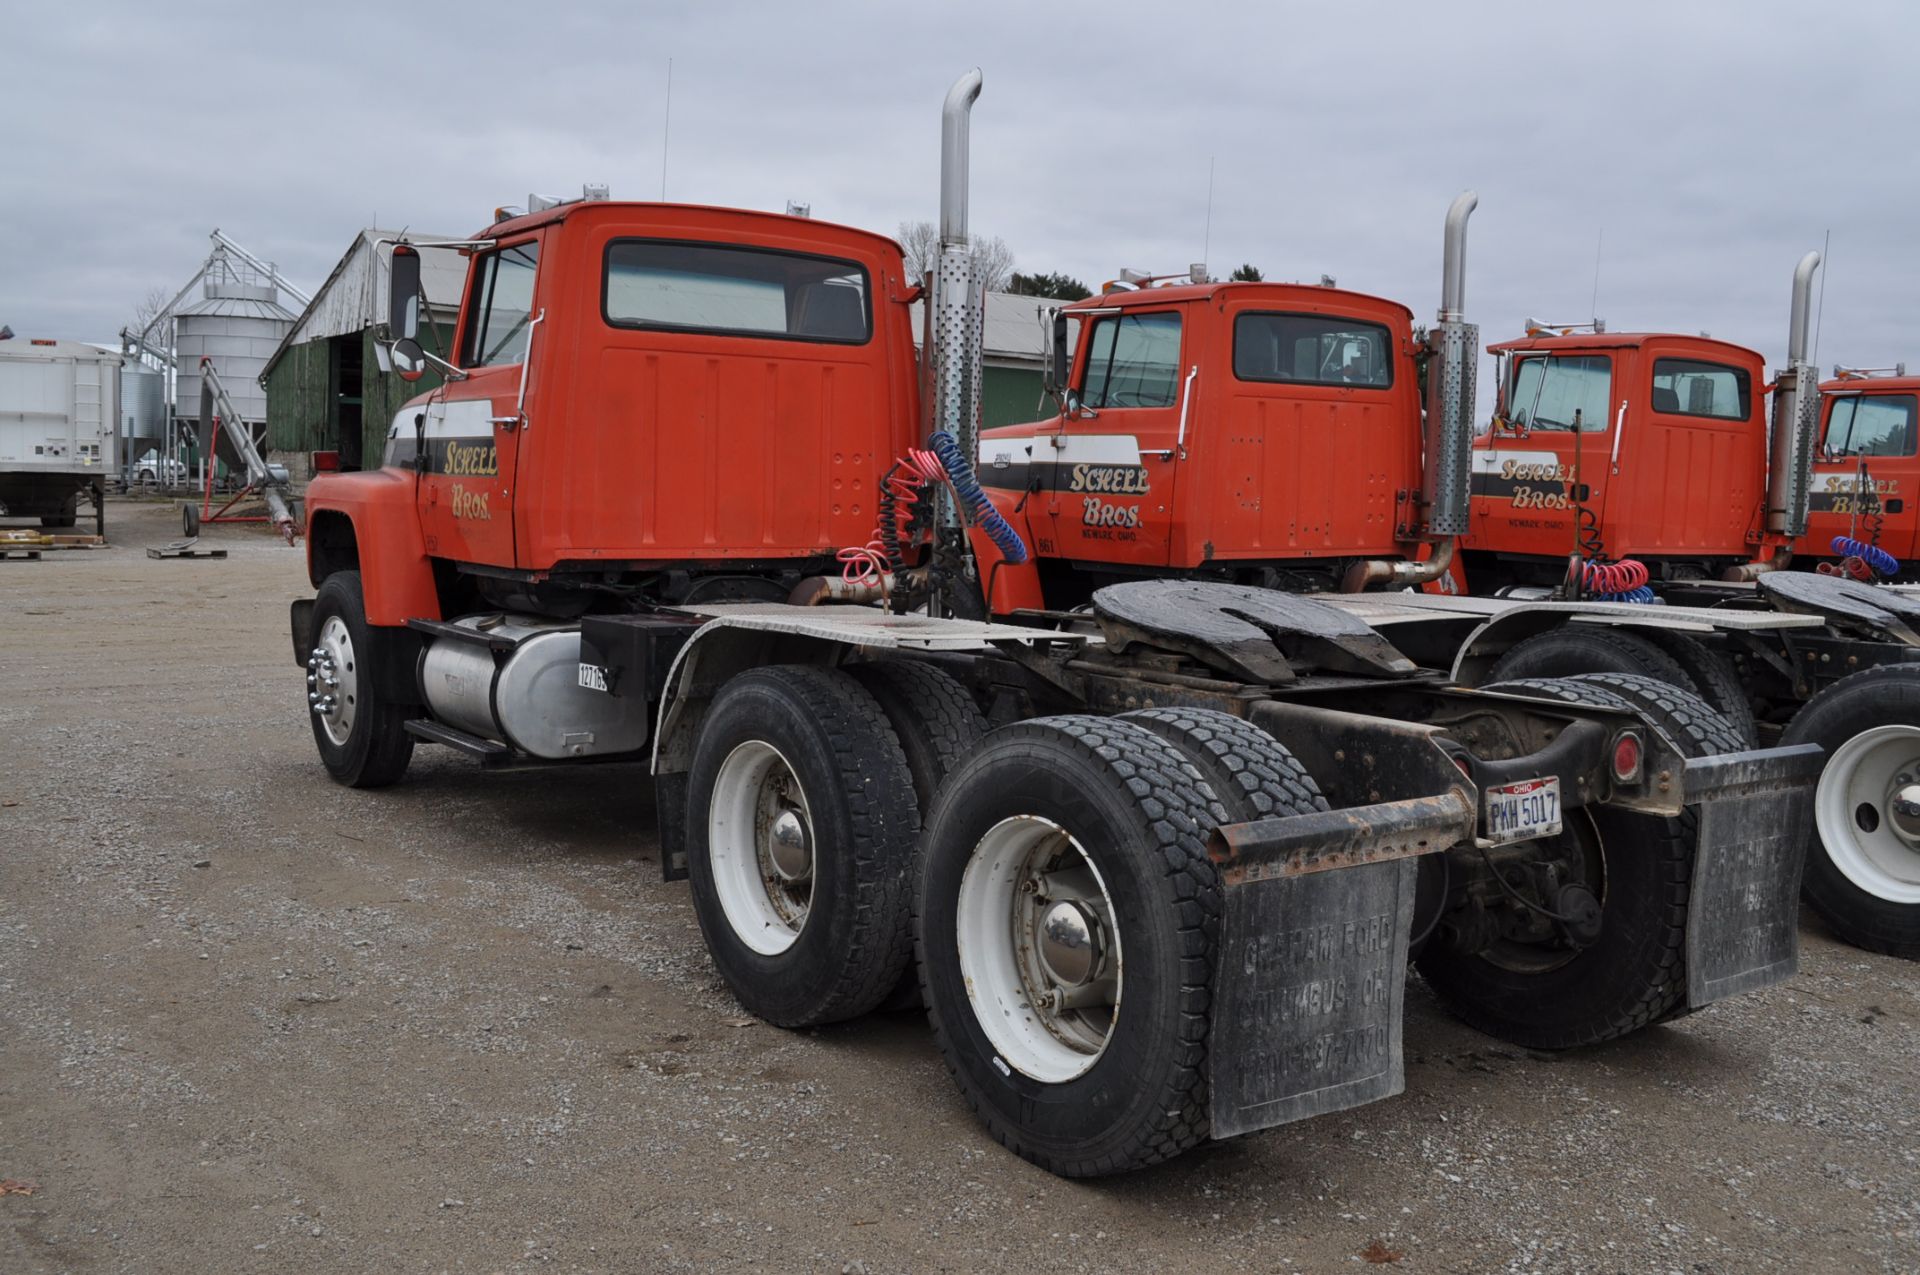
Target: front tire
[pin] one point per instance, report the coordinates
(801, 823)
(1063, 845)
(362, 738)
(1863, 871)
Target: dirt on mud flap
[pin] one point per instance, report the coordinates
(1754, 811)
(1312, 959)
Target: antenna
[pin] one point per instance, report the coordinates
(666, 127)
(1206, 244)
(1598, 242)
(1826, 247)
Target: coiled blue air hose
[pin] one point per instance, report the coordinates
(1873, 555)
(967, 490)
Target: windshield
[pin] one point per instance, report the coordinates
(1133, 360)
(1549, 389)
(1871, 425)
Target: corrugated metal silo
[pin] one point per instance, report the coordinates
(143, 407)
(238, 323)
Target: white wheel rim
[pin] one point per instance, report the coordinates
(1853, 808)
(333, 681)
(766, 906)
(1020, 870)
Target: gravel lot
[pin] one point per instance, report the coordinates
(250, 1021)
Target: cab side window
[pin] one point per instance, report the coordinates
(502, 307)
(1688, 387)
(1871, 425)
(1311, 349)
(1133, 360)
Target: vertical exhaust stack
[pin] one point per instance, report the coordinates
(1796, 411)
(956, 339)
(1455, 346)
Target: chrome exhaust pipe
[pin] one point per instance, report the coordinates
(1796, 416)
(1385, 573)
(1450, 386)
(955, 349)
(1453, 258)
(956, 118)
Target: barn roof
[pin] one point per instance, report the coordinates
(354, 296)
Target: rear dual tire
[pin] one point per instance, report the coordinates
(1863, 871)
(801, 836)
(1641, 868)
(1674, 658)
(1107, 821)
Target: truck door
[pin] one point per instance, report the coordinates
(471, 434)
(1874, 431)
(1523, 476)
(1690, 477)
(1107, 475)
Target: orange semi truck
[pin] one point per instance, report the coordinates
(1643, 466)
(1156, 844)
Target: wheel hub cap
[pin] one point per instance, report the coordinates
(1866, 808)
(333, 681)
(787, 846)
(1069, 943)
(1903, 812)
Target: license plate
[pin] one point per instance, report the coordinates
(1522, 811)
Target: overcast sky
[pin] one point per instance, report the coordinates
(1712, 143)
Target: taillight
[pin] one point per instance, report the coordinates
(1626, 757)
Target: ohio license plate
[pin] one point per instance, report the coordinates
(1522, 811)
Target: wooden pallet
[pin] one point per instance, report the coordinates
(36, 540)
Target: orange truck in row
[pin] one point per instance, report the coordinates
(1645, 466)
(1021, 724)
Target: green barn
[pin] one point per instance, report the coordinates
(325, 390)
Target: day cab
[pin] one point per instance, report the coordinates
(698, 397)
(1259, 433)
(1660, 439)
(1867, 470)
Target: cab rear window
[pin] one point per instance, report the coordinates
(1312, 349)
(724, 288)
(1689, 387)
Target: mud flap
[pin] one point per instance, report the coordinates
(1312, 960)
(1755, 815)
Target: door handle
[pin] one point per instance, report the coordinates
(508, 423)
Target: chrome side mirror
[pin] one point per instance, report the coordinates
(1057, 356)
(409, 360)
(403, 297)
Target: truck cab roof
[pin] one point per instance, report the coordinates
(680, 217)
(1705, 346)
(1295, 296)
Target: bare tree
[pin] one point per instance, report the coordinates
(149, 308)
(992, 259)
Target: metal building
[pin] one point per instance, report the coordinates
(324, 391)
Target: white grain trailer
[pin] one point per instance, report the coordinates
(59, 403)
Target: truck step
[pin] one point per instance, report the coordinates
(486, 751)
